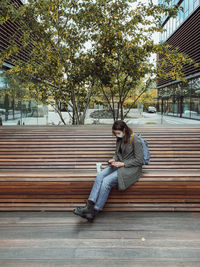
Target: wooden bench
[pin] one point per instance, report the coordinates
(53, 168)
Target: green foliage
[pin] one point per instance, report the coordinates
(54, 35)
(52, 38)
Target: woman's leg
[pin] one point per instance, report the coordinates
(108, 182)
(98, 182)
(100, 190)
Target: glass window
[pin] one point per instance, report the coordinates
(196, 3)
(186, 7)
(170, 26)
(195, 98)
(170, 107)
(175, 106)
(167, 29)
(190, 7)
(195, 107)
(174, 24)
(165, 32)
(182, 14)
(181, 100)
(186, 107)
(178, 19)
(17, 106)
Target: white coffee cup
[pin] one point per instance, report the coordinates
(98, 165)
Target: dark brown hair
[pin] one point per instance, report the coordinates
(121, 125)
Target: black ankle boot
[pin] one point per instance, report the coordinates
(87, 211)
(91, 215)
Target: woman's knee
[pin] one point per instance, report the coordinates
(104, 173)
(100, 177)
(109, 183)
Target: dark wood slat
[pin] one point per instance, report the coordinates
(54, 169)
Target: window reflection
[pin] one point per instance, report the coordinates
(17, 106)
(182, 100)
(173, 23)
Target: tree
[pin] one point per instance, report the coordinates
(122, 45)
(52, 37)
(146, 99)
(55, 66)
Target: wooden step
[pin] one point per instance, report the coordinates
(53, 168)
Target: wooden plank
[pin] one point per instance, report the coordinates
(23, 234)
(48, 168)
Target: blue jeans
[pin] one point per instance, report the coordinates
(104, 181)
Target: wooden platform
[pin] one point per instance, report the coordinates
(129, 239)
(53, 168)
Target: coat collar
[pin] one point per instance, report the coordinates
(123, 146)
(118, 146)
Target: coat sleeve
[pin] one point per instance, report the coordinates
(137, 159)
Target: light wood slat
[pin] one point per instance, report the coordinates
(54, 169)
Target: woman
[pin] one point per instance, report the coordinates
(124, 169)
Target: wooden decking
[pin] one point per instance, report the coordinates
(130, 239)
(53, 168)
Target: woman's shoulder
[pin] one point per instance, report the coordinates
(134, 137)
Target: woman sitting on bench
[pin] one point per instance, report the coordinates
(124, 169)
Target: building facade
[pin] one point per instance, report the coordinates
(176, 98)
(16, 104)
(17, 107)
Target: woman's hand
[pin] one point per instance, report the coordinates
(118, 164)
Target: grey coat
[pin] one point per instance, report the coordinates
(132, 156)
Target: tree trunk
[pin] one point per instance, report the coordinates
(82, 116)
(121, 109)
(61, 117)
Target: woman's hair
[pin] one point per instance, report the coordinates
(121, 125)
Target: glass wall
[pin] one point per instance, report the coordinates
(181, 99)
(172, 24)
(17, 107)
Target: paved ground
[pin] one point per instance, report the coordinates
(155, 120)
(144, 239)
(144, 119)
